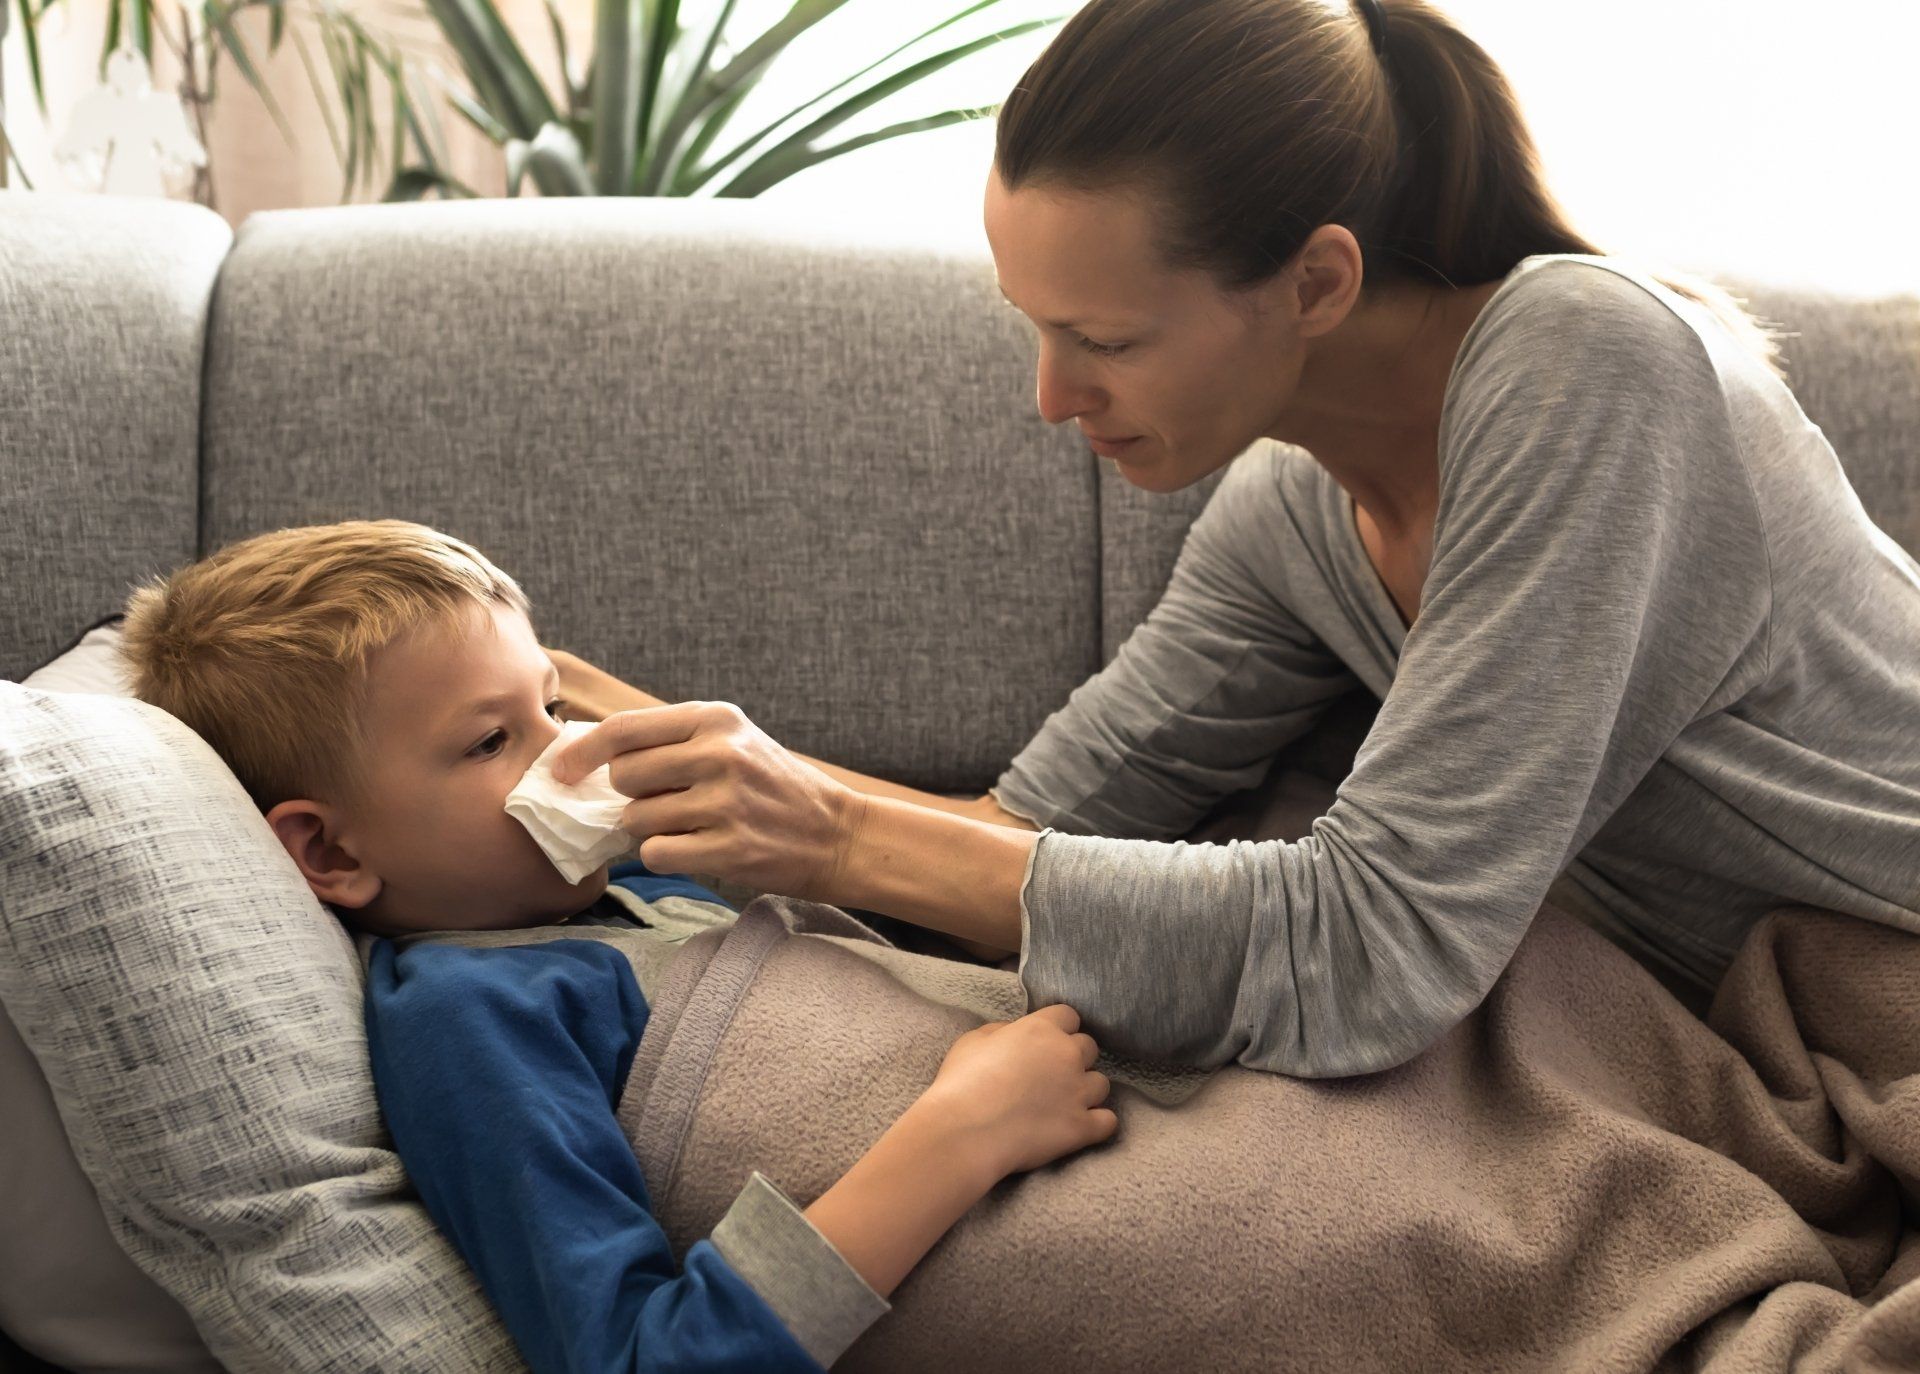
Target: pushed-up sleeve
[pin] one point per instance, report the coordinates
(1600, 581)
(1218, 677)
(498, 1071)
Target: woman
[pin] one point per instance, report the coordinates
(1624, 613)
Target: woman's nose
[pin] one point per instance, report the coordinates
(1059, 393)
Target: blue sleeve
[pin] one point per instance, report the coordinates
(498, 1071)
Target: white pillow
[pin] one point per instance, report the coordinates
(197, 1015)
(92, 664)
(68, 1293)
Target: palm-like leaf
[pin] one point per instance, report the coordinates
(790, 152)
(619, 39)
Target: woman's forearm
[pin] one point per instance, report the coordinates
(982, 808)
(905, 1193)
(947, 872)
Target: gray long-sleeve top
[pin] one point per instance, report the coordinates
(1660, 647)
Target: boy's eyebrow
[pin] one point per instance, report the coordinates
(485, 704)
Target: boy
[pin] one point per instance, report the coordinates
(378, 688)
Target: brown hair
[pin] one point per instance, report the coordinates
(1257, 121)
(262, 648)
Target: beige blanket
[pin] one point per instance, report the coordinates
(1581, 1176)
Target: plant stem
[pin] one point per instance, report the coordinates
(196, 101)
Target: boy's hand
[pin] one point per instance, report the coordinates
(1011, 1095)
(1023, 1092)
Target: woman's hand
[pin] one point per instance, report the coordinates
(1025, 1092)
(714, 795)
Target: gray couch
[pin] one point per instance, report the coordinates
(731, 455)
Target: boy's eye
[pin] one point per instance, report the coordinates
(490, 746)
(1104, 350)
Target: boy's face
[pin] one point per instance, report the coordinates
(453, 723)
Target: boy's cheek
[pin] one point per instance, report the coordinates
(592, 885)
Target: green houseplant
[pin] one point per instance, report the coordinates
(648, 111)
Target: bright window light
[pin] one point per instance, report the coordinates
(1761, 137)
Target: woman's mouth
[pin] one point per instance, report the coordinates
(1110, 448)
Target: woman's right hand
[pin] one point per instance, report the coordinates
(1023, 1092)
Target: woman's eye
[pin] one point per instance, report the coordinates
(1104, 350)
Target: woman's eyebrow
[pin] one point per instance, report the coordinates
(1051, 324)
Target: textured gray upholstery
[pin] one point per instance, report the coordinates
(1854, 366)
(726, 458)
(730, 453)
(102, 313)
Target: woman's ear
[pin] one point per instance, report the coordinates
(1325, 279)
(308, 831)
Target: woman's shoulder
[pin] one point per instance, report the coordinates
(1557, 311)
(1573, 335)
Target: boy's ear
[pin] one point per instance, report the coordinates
(306, 828)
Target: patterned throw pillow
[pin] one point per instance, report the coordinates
(197, 1016)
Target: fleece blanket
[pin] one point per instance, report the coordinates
(1582, 1175)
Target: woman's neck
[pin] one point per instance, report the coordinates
(1368, 402)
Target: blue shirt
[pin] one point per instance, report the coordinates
(498, 1071)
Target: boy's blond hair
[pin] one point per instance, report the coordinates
(262, 648)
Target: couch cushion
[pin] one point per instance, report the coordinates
(730, 456)
(102, 311)
(197, 1016)
(1853, 363)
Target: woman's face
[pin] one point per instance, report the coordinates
(1185, 373)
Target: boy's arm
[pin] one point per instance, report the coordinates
(498, 1071)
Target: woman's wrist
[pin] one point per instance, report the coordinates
(947, 872)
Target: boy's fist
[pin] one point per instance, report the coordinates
(1024, 1092)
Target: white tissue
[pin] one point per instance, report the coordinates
(577, 826)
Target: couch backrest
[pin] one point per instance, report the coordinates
(727, 457)
(730, 454)
(103, 308)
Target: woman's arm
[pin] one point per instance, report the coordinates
(947, 872)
